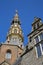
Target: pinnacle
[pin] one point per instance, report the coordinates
(16, 17)
(16, 11)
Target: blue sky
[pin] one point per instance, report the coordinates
(27, 10)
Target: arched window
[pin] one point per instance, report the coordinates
(8, 54)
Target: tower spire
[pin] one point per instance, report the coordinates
(16, 11)
(15, 34)
(16, 17)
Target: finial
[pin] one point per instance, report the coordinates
(16, 11)
(16, 17)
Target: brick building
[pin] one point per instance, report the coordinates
(12, 51)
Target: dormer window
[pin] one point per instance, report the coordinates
(38, 25)
(35, 26)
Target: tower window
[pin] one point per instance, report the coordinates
(34, 27)
(37, 25)
(8, 54)
(15, 31)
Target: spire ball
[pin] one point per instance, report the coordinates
(16, 11)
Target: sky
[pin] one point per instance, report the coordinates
(27, 10)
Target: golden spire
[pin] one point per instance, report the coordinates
(15, 31)
(16, 17)
(16, 12)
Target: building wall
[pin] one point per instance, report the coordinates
(30, 58)
(14, 53)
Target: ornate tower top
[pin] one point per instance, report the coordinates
(15, 34)
(36, 24)
(16, 18)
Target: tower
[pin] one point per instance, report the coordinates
(15, 35)
(36, 36)
(13, 46)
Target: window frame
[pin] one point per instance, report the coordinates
(37, 53)
(39, 45)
